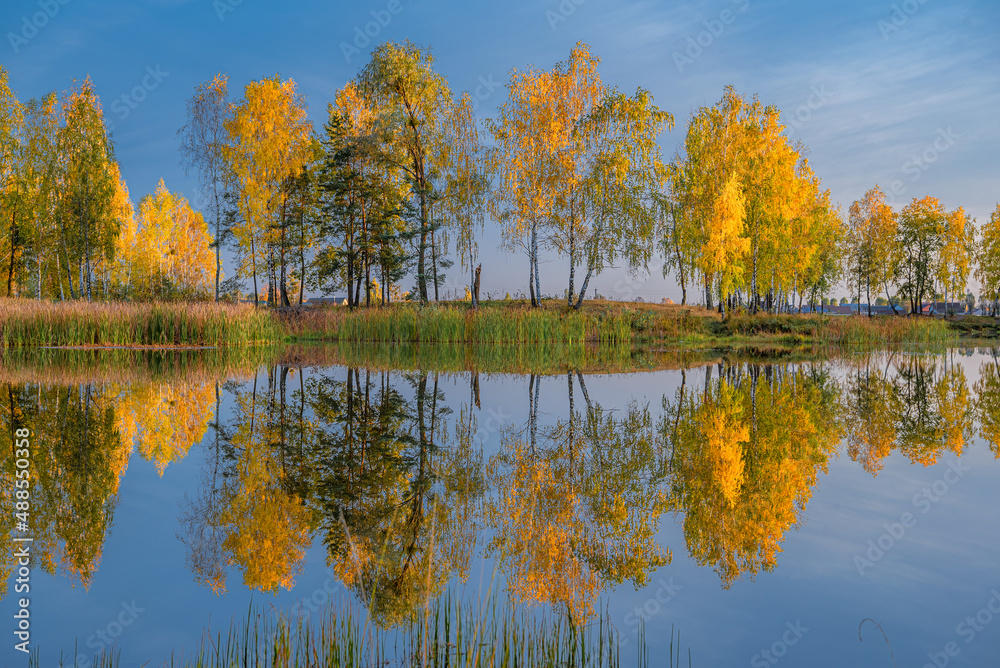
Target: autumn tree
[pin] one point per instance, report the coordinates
(827, 233)
(467, 189)
(41, 168)
(203, 139)
(12, 195)
(172, 248)
(921, 227)
(622, 175)
(413, 103)
(88, 222)
(957, 252)
(363, 195)
(523, 198)
(268, 145)
(988, 260)
(678, 231)
(745, 210)
(873, 251)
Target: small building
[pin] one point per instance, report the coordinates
(943, 308)
(326, 301)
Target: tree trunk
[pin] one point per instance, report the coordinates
(218, 240)
(13, 249)
(434, 264)
(572, 261)
(534, 256)
(350, 272)
(422, 248)
(583, 288)
(475, 286)
(253, 265)
(284, 242)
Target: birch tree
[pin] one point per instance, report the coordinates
(203, 139)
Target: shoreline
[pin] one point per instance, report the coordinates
(202, 326)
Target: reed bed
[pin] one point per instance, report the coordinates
(853, 331)
(887, 330)
(447, 633)
(457, 324)
(25, 322)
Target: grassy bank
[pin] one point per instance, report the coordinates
(604, 323)
(27, 323)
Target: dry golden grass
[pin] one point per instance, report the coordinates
(26, 322)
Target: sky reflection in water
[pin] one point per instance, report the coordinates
(765, 510)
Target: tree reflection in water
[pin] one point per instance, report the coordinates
(389, 476)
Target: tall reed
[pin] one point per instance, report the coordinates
(25, 322)
(449, 633)
(448, 324)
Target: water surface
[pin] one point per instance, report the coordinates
(764, 508)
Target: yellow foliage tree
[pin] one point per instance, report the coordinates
(172, 253)
(988, 256)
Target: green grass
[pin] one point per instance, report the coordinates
(26, 322)
(445, 633)
(604, 324)
(456, 324)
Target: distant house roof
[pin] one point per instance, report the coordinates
(325, 300)
(943, 307)
(847, 309)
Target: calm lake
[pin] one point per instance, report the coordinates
(762, 508)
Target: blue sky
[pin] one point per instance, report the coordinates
(902, 93)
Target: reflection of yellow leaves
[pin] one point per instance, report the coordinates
(952, 394)
(270, 537)
(724, 434)
(269, 528)
(164, 421)
(746, 464)
(534, 516)
(988, 405)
